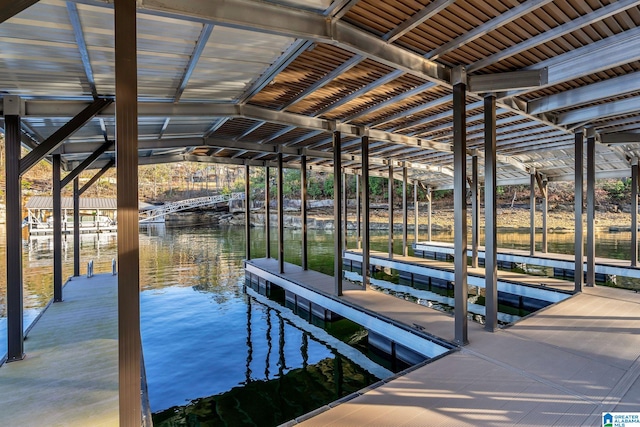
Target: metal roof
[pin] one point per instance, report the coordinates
(44, 202)
(240, 80)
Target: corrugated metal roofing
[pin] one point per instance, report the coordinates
(43, 202)
(292, 70)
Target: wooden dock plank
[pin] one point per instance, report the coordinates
(70, 374)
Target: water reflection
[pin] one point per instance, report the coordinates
(203, 336)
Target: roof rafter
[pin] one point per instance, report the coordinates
(479, 31)
(418, 18)
(583, 21)
(291, 22)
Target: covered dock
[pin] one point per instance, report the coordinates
(449, 94)
(96, 215)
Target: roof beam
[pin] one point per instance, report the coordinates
(417, 109)
(10, 8)
(418, 18)
(561, 30)
(65, 109)
(295, 49)
(499, 82)
(479, 31)
(344, 67)
(395, 99)
(602, 55)
(58, 137)
(358, 93)
(602, 111)
(609, 88)
(620, 138)
(193, 60)
(339, 8)
(74, 17)
(300, 24)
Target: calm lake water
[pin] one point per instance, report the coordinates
(214, 352)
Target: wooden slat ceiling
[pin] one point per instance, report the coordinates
(322, 79)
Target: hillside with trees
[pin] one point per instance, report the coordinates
(176, 181)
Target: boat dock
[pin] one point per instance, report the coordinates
(69, 376)
(563, 264)
(522, 285)
(563, 365)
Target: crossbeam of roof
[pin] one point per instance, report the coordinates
(620, 138)
(598, 112)
(607, 53)
(66, 109)
(418, 18)
(479, 31)
(392, 100)
(74, 17)
(609, 88)
(293, 51)
(207, 29)
(583, 21)
(342, 68)
(290, 22)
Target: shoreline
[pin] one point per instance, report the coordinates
(509, 220)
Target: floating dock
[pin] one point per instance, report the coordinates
(562, 264)
(563, 365)
(70, 374)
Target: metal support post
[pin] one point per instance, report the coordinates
(405, 214)
(126, 72)
(416, 213)
(76, 228)
(57, 230)
(545, 215)
(591, 207)
(366, 248)
(267, 211)
(337, 211)
(634, 212)
(532, 213)
(390, 198)
(475, 212)
(490, 215)
(344, 210)
(247, 212)
(460, 211)
(358, 227)
(303, 212)
(428, 214)
(280, 191)
(578, 246)
(13, 200)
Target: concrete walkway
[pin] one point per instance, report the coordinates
(70, 374)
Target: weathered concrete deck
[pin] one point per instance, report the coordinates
(564, 365)
(70, 374)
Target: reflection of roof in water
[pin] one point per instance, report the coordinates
(44, 202)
